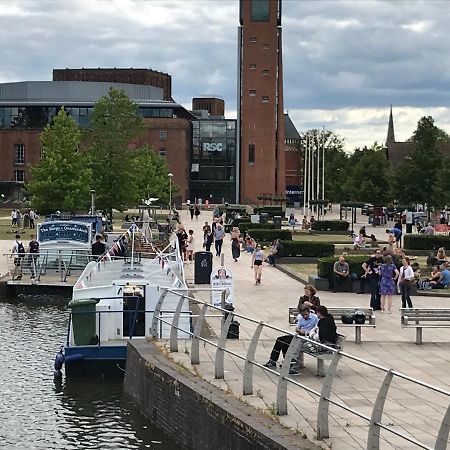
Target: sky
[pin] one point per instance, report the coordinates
(344, 62)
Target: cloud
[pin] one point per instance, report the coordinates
(339, 56)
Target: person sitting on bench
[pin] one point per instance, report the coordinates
(324, 332)
(306, 322)
(341, 275)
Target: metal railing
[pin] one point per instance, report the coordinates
(324, 396)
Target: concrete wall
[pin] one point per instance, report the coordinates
(196, 414)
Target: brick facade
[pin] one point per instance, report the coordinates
(215, 106)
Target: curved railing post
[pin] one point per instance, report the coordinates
(174, 326)
(157, 312)
(322, 411)
(373, 441)
(195, 351)
(284, 372)
(442, 437)
(218, 364)
(247, 383)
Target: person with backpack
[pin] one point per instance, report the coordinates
(33, 251)
(18, 253)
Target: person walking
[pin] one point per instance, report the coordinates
(191, 211)
(190, 246)
(235, 246)
(196, 212)
(33, 251)
(388, 277)
(257, 263)
(405, 280)
(219, 234)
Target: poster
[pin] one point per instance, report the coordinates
(222, 278)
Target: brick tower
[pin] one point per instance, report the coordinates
(260, 101)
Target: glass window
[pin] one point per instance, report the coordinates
(265, 72)
(19, 176)
(19, 154)
(162, 152)
(162, 135)
(266, 46)
(265, 99)
(251, 154)
(252, 39)
(252, 93)
(252, 66)
(259, 11)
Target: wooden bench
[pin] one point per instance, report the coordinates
(420, 318)
(337, 313)
(322, 356)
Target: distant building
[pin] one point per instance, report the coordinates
(397, 152)
(260, 101)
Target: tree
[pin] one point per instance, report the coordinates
(427, 130)
(369, 176)
(114, 123)
(62, 178)
(151, 175)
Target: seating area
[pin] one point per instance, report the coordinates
(420, 318)
(337, 315)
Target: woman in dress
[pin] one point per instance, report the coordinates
(388, 275)
(257, 262)
(309, 298)
(235, 245)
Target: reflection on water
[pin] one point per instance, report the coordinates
(37, 413)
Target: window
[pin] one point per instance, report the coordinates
(266, 46)
(252, 93)
(265, 99)
(162, 135)
(252, 66)
(19, 176)
(162, 152)
(251, 154)
(19, 154)
(265, 72)
(259, 11)
(253, 39)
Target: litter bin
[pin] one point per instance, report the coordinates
(84, 321)
(277, 222)
(202, 267)
(263, 218)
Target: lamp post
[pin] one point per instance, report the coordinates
(170, 175)
(92, 201)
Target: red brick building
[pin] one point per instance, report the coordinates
(260, 109)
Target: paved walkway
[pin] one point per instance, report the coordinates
(409, 408)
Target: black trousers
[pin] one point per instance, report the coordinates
(375, 301)
(342, 283)
(281, 345)
(218, 245)
(406, 299)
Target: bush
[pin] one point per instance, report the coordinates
(325, 265)
(266, 235)
(270, 210)
(422, 242)
(330, 225)
(245, 226)
(307, 248)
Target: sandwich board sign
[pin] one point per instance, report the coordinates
(222, 280)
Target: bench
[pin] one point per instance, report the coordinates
(337, 313)
(322, 356)
(419, 318)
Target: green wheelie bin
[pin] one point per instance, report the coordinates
(83, 321)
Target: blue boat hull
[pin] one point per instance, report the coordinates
(95, 361)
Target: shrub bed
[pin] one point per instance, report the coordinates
(325, 265)
(245, 226)
(306, 248)
(266, 235)
(421, 242)
(330, 225)
(270, 210)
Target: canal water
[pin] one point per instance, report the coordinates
(36, 413)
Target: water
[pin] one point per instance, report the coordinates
(36, 413)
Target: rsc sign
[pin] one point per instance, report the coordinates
(212, 146)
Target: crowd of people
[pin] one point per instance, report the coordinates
(25, 220)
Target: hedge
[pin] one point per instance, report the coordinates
(423, 242)
(245, 226)
(266, 235)
(306, 248)
(325, 265)
(270, 210)
(330, 225)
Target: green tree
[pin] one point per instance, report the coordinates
(369, 176)
(62, 179)
(151, 175)
(427, 131)
(114, 123)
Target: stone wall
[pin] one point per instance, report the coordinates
(194, 413)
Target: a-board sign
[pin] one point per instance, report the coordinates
(222, 278)
(64, 231)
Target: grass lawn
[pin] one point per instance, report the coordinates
(302, 270)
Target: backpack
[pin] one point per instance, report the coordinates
(20, 250)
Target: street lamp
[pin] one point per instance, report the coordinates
(92, 201)
(170, 175)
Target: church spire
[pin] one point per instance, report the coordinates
(390, 134)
